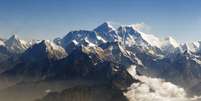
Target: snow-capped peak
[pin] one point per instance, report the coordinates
(14, 39)
(106, 26)
(81, 37)
(169, 45)
(170, 41)
(191, 46)
(2, 42)
(45, 49)
(107, 32)
(130, 35)
(50, 45)
(53, 49)
(14, 44)
(126, 34)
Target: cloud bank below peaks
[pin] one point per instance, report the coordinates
(155, 89)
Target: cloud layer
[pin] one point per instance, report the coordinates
(155, 89)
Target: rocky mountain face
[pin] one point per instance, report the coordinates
(108, 62)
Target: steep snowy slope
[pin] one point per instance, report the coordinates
(44, 50)
(81, 37)
(169, 45)
(191, 46)
(15, 45)
(107, 32)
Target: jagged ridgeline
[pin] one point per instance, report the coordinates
(105, 64)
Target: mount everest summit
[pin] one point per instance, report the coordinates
(121, 60)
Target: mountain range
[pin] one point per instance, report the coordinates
(106, 59)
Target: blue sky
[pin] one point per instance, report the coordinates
(47, 19)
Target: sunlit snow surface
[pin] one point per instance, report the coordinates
(1, 43)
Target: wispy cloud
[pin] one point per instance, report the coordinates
(139, 26)
(142, 27)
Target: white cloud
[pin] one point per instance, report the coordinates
(139, 26)
(142, 27)
(155, 89)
